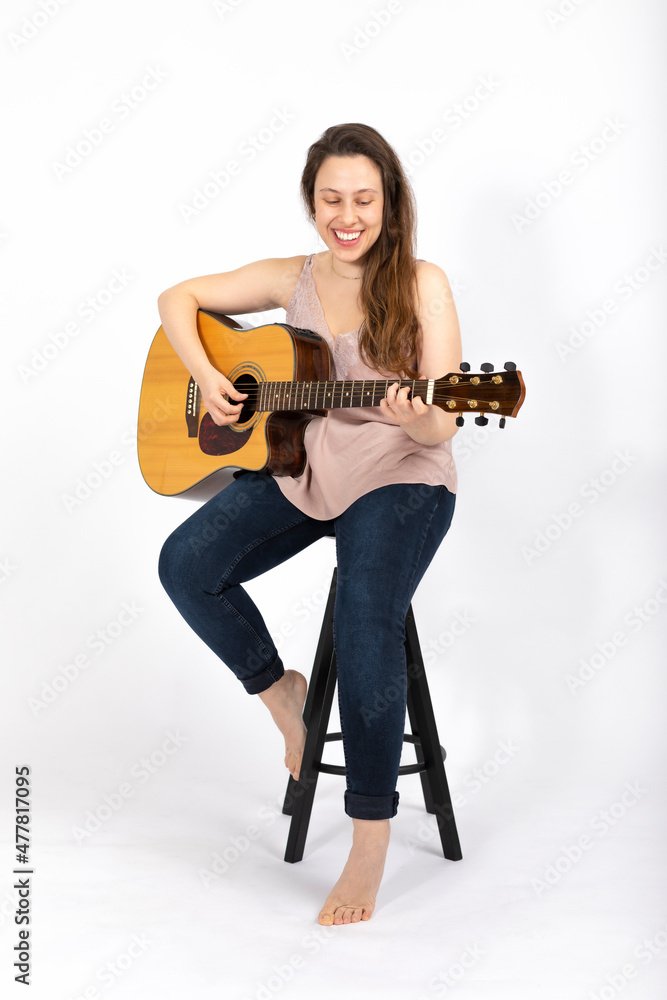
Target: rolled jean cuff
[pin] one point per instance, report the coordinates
(260, 682)
(371, 806)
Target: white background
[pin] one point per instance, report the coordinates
(552, 899)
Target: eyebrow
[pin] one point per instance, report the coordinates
(360, 191)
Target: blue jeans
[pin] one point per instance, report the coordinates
(385, 541)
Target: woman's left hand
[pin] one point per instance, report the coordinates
(409, 413)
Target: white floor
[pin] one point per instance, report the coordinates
(183, 893)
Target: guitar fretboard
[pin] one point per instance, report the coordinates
(270, 396)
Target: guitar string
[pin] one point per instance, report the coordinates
(255, 393)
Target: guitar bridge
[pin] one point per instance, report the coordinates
(192, 404)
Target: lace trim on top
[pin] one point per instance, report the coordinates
(304, 309)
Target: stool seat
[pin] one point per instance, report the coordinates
(430, 755)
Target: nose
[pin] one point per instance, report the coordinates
(348, 215)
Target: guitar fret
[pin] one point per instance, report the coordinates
(315, 395)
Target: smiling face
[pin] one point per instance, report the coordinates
(348, 207)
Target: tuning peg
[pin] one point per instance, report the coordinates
(501, 423)
(509, 366)
(464, 366)
(481, 420)
(486, 367)
(460, 421)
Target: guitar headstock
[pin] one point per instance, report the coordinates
(488, 391)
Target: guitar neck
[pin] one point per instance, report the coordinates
(494, 391)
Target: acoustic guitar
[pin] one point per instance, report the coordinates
(288, 381)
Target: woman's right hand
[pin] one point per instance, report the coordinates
(215, 390)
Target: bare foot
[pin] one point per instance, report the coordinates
(354, 894)
(285, 700)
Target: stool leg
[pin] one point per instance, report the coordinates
(322, 662)
(301, 794)
(422, 721)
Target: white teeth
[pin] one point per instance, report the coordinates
(347, 236)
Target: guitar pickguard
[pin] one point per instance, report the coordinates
(216, 440)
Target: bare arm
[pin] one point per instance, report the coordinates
(264, 284)
(440, 353)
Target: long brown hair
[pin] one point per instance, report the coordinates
(389, 331)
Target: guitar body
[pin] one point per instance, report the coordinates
(178, 443)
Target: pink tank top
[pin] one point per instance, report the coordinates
(353, 450)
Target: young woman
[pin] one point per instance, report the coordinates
(382, 478)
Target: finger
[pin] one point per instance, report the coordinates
(221, 418)
(228, 406)
(233, 393)
(386, 409)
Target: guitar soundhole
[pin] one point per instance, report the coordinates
(246, 383)
(215, 440)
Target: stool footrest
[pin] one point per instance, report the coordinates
(415, 768)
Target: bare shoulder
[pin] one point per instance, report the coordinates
(288, 273)
(278, 275)
(432, 282)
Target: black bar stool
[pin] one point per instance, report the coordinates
(317, 709)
